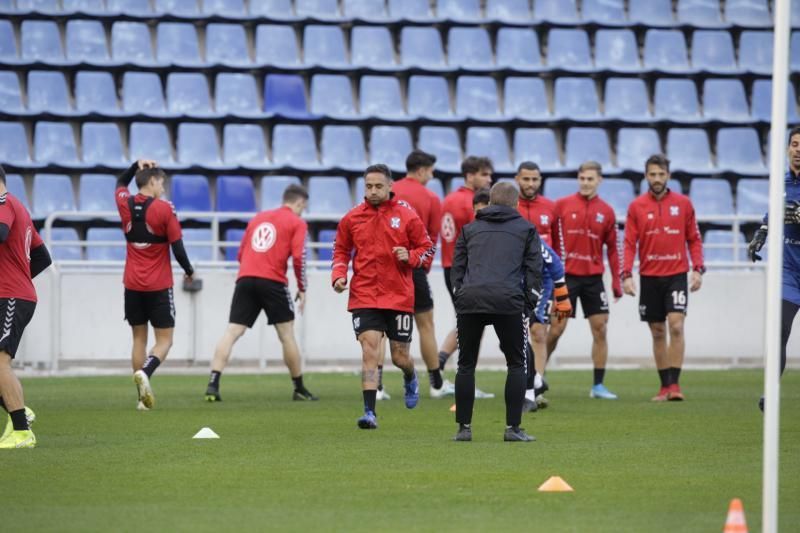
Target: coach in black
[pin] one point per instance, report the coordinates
(497, 280)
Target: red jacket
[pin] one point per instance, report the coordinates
(380, 280)
(583, 227)
(424, 201)
(456, 213)
(270, 239)
(663, 229)
(15, 252)
(541, 212)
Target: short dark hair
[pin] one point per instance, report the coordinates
(473, 164)
(591, 165)
(143, 176)
(481, 197)
(2, 175)
(794, 131)
(504, 193)
(658, 160)
(380, 168)
(419, 159)
(294, 192)
(527, 165)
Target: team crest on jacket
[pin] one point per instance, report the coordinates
(263, 237)
(600, 217)
(544, 220)
(673, 210)
(395, 222)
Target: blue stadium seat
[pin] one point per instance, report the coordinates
(665, 50)
(651, 12)
(41, 6)
(198, 145)
(294, 146)
(272, 188)
(429, 96)
(371, 46)
(626, 99)
(569, 49)
(225, 8)
(187, 94)
(226, 44)
(236, 94)
(469, 48)
(106, 252)
(711, 196)
(10, 94)
(619, 193)
(96, 193)
(277, 45)
(326, 236)
(410, 9)
(555, 188)
(444, 144)
(318, 9)
(604, 11)
(380, 97)
(16, 186)
(190, 192)
(421, 47)
(617, 50)
(584, 144)
(86, 41)
(518, 48)
(130, 43)
(71, 252)
(634, 146)
(492, 143)
(435, 185)
(95, 92)
(244, 145)
(41, 40)
(102, 145)
(739, 151)
(795, 17)
(752, 197)
(794, 50)
(755, 51)
(332, 95)
(526, 98)
(193, 239)
(459, 10)
(724, 99)
(689, 151)
(329, 195)
(233, 235)
(561, 11)
(762, 102)
(476, 97)
(702, 13)
(712, 51)
(272, 8)
(54, 142)
(673, 185)
(47, 91)
(52, 192)
(508, 10)
(364, 9)
(8, 43)
(343, 147)
(676, 99)
(184, 8)
(324, 46)
(748, 13)
(537, 145)
(718, 246)
(390, 145)
(285, 95)
(177, 44)
(236, 194)
(14, 148)
(576, 99)
(148, 140)
(129, 7)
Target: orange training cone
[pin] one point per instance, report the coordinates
(735, 523)
(555, 484)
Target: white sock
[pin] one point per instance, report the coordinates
(537, 381)
(530, 394)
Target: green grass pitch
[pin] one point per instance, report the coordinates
(282, 465)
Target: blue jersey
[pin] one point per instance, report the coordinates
(791, 244)
(552, 269)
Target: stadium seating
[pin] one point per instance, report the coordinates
(436, 186)
(321, 9)
(651, 12)
(372, 47)
(752, 197)
(54, 143)
(96, 193)
(673, 185)
(150, 141)
(712, 51)
(142, 94)
(364, 9)
(584, 144)
(718, 246)
(748, 12)
(130, 43)
(236, 95)
(190, 192)
(58, 252)
(459, 10)
(235, 194)
(272, 188)
(428, 96)
(41, 40)
(47, 91)
(14, 148)
(410, 9)
(626, 99)
(102, 145)
(619, 194)
(177, 7)
(177, 44)
(326, 236)
(390, 145)
(342, 147)
(422, 47)
(197, 144)
(232, 235)
(225, 8)
(676, 99)
(324, 46)
(617, 50)
(469, 48)
(95, 93)
(739, 151)
(329, 196)
(188, 94)
(294, 146)
(711, 197)
(193, 239)
(105, 252)
(518, 48)
(476, 97)
(559, 11)
(508, 10)
(10, 94)
(16, 186)
(576, 98)
(526, 98)
(285, 95)
(700, 13)
(52, 192)
(492, 143)
(380, 97)
(444, 144)
(688, 150)
(762, 102)
(725, 100)
(276, 45)
(538, 145)
(555, 188)
(665, 51)
(86, 41)
(244, 145)
(569, 49)
(755, 51)
(332, 95)
(226, 44)
(634, 146)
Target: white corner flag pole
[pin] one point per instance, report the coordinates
(772, 329)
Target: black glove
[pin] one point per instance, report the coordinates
(791, 213)
(759, 239)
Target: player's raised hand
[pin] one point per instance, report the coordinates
(629, 286)
(300, 298)
(401, 253)
(695, 281)
(340, 285)
(146, 163)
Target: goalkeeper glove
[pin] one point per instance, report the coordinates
(563, 307)
(791, 213)
(757, 243)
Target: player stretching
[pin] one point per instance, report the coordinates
(270, 239)
(790, 299)
(151, 227)
(663, 223)
(389, 241)
(23, 256)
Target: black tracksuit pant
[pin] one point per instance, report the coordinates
(512, 331)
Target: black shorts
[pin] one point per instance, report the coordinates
(252, 295)
(423, 298)
(449, 285)
(661, 295)
(592, 293)
(156, 307)
(15, 314)
(397, 325)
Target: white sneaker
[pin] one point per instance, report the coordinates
(448, 389)
(143, 387)
(141, 407)
(382, 395)
(530, 394)
(480, 395)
